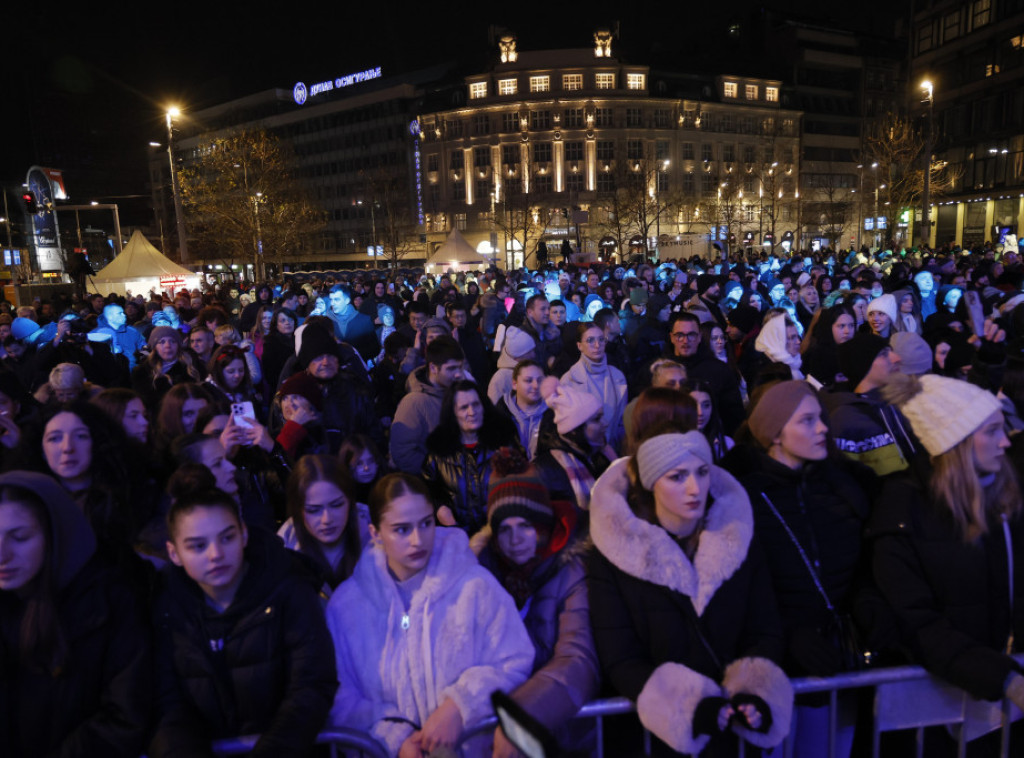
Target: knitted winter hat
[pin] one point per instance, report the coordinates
(886, 304)
(659, 455)
(519, 493)
(744, 317)
(437, 323)
(943, 412)
(316, 341)
(160, 332)
(773, 409)
(572, 407)
(517, 342)
(915, 354)
(305, 385)
(638, 296)
(803, 279)
(857, 355)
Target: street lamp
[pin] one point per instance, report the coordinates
(173, 113)
(657, 204)
(928, 88)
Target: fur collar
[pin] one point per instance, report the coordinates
(648, 552)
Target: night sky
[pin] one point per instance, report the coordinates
(85, 87)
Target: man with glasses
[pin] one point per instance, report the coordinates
(701, 363)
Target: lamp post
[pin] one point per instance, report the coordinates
(874, 224)
(172, 113)
(929, 91)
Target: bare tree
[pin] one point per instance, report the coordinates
(634, 206)
(243, 204)
(523, 213)
(396, 229)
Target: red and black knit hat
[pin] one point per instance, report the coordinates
(520, 494)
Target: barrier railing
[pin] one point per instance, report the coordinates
(905, 697)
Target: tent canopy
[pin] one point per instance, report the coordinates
(456, 251)
(141, 267)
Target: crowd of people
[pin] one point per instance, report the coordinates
(370, 500)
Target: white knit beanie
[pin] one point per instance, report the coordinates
(943, 412)
(572, 407)
(886, 304)
(517, 342)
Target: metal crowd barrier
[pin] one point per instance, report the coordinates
(905, 697)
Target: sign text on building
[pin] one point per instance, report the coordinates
(301, 93)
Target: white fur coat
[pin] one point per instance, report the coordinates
(667, 703)
(464, 640)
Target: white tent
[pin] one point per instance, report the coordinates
(141, 267)
(456, 252)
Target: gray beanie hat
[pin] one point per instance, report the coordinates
(659, 455)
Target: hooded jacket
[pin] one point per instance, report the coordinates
(418, 414)
(670, 632)
(461, 638)
(100, 702)
(772, 342)
(528, 424)
(705, 366)
(606, 382)
(263, 666)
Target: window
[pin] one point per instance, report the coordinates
(477, 90)
(706, 152)
(749, 154)
(540, 120)
(634, 117)
(481, 157)
(634, 149)
(661, 149)
(662, 118)
(540, 83)
(605, 150)
(606, 182)
(771, 94)
(456, 163)
(572, 82)
(542, 183)
(751, 91)
(508, 86)
(574, 151)
(432, 162)
(749, 210)
(460, 221)
(509, 155)
(481, 124)
(687, 151)
(459, 192)
(510, 122)
(454, 128)
(604, 81)
(748, 183)
(727, 123)
(603, 116)
(662, 181)
(636, 81)
(789, 129)
(707, 184)
(481, 191)
(729, 89)
(574, 182)
(981, 13)
(573, 118)
(748, 125)
(728, 153)
(688, 183)
(542, 152)
(925, 37)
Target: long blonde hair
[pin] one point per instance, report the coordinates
(955, 484)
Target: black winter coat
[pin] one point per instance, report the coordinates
(101, 702)
(265, 666)
(951, 598)
(826, 508)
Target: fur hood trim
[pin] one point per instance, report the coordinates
(646, 551)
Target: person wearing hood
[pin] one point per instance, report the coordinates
(419, 412)
(534, 549)
(241, 639)
(518, 346)
(422, 633)
(593, 374)
(523, 403)
(75, 653)
(681, 604)
(779, 342)
(264, 299)
(925, 283)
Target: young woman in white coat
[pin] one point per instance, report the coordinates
(422, 633)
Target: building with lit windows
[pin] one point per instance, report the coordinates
(577, 146)
(972, 53)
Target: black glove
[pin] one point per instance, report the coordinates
(745, 698)
(813, 653)
(705, 716)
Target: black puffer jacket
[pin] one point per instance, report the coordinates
(100, 701)
(459, 477)
(952, 599)
(265, 666)
(826, 507)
